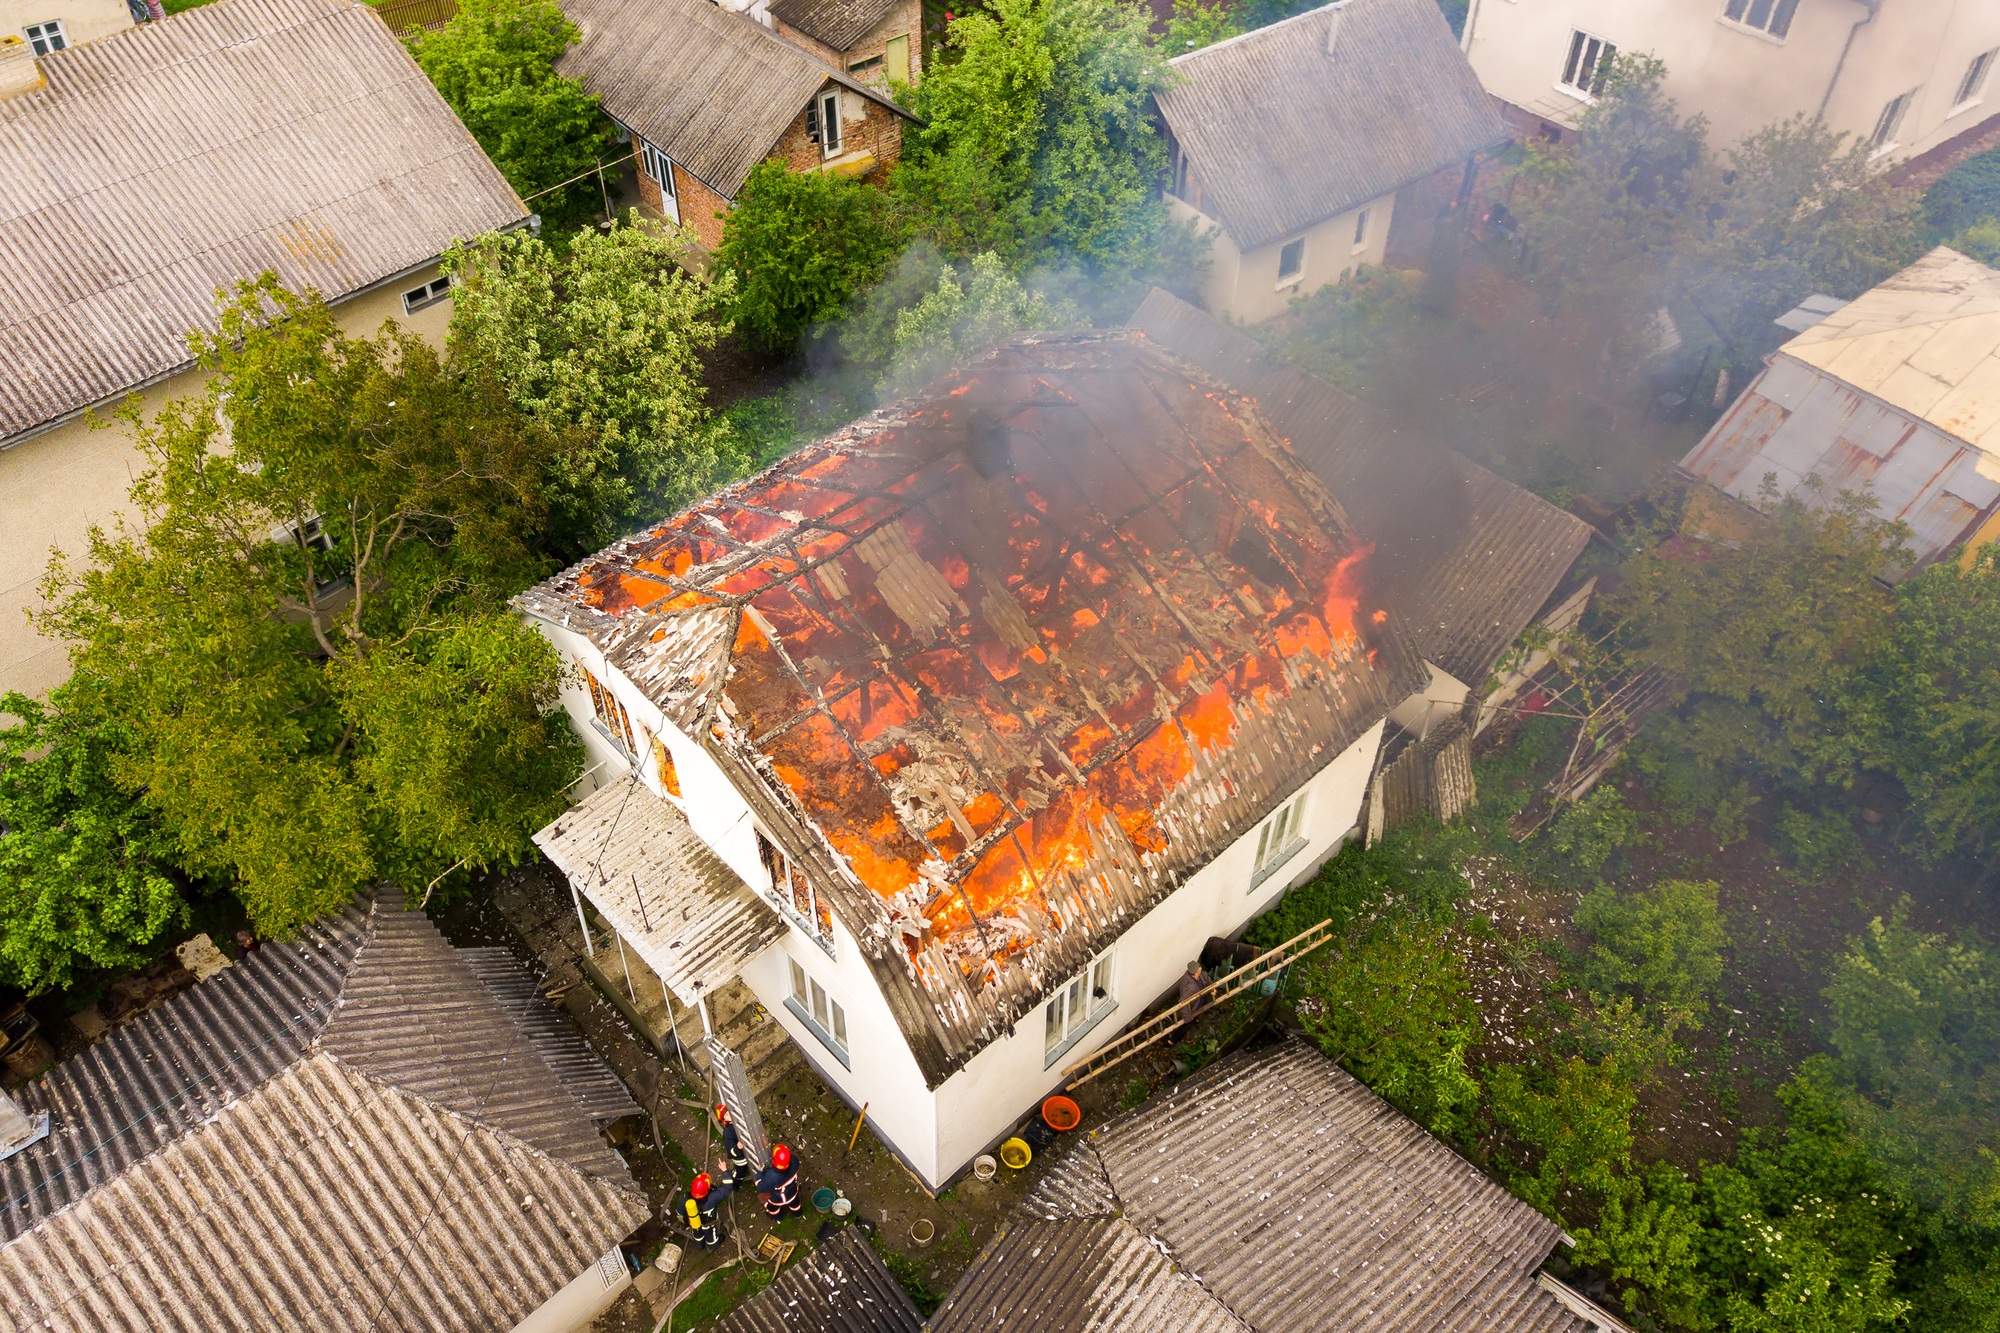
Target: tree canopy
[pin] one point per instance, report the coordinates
(800, 245)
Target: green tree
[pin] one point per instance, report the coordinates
(1981, 240)
(1587, 834)
(84, 878)
(958, 320)
(1394, 1007)
(304, 639)
(600, 345)
(494, 62)
(1195, 25)
(801, 244)
(1665, 943)
(1916, 1023)
(1576, 1120)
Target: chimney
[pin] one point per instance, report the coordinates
(18, 1129)
(18, 71)
(1333, 26)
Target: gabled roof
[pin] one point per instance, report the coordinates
(341, 1131)
(177, 157)
(1926, 342)
(841, 1287)
(1466, 557)
(1089, 1275)
(1283, 134)
(1302, 1202)
(838, 23)
(711, 89)
(1008, 660)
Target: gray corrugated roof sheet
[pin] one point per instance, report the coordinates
(841, 1287)
(838, 23)
(1303, 1201)
(634, 855)
(264, 1151)
(1467, 557)
(178, 157)
(711, 89)
(1282, 134)
(1090, 1275)
(583, 1074)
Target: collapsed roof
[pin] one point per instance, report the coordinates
(361, 1128)
(1009, 660)
(1291, 1195)
(1466, 557)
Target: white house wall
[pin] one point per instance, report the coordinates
(1244, 284)
(981, 1102)
(589, 1294)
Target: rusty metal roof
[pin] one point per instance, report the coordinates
(1304, 1202)
(841, 1287)
(1466, 557)
(1796, 424)
(1008, 660)
(1080, 1275)
(838, 23)
(1284, 133)
(174, 158)
(711, 89)
(632, 853)
(263, 1152)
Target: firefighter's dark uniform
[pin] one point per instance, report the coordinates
(780, 1189)
(703, 1217)
(741, 1171)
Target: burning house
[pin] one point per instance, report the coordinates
(1001, 701)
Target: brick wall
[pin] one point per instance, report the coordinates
(906, 19)
(701, 209)
(866, 128)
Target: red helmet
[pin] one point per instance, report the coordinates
(700, 1187)
(781, 1157)
(722, 1113)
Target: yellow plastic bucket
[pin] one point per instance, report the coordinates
(1016, 1153)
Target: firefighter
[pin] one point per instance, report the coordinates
(778, 1184)
(741, 1170)
(701, 1210)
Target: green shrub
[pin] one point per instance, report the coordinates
(1332, 331)
(1577, 1122)
(1589, 833)
(801, 244)
(1965, 196)
(1663, 943)
(1816, 844)
(1418, 863)
(960, 318)
(1981, 240)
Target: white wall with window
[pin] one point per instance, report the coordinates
(48, 26)
(1077, 1008)
(1258, 284)
(1972, 84)
(1588, 64)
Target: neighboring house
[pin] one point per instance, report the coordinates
(1292, 141)
(363, 1128)
(30, 29)
(841, 1287)
(1896, 393)
(1271, 1191)
(879, 42)
(1902, 75)
(1005, 698)
(179, 157)
(706, 94)
(1468, 559)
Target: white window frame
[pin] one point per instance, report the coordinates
(813, 1005)
(1591, 55)
(46, 38)
(831, 132)
(1771, 19)
(658, 168)
(1887, 124)
(1361, 230)
(785, 880)
(1972, 87)
(1077, 1006)
(1279, 839)
(419, 298)
(1297, 275)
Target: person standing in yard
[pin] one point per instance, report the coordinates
(778, 1184)
(1193, 982)
(702, 1210)
(741, 1170)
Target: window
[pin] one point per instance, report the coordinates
(1182, 170)
(795, 895)
(1291, 261)
(1279, 840)
(1771, 16)
(1076, 1008)
(829, 124)
(663, 764)
(659, 168)
(430, 293)
(611, 716)
(1589, 64)
(1974, 82)
(1361, 230)
(1890, 121)
(820, 1012)
(45, 37)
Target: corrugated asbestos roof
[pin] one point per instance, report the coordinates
(1282, 134)
(998, 717)
(841, 1287)
(711, 89)
(1926, 342)
(1302, 1202)
(632, 853)
(1089, 1275)
(601, 1094)
(838, 23)
(275, 1150)
(1466, 557)
(178, 157)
